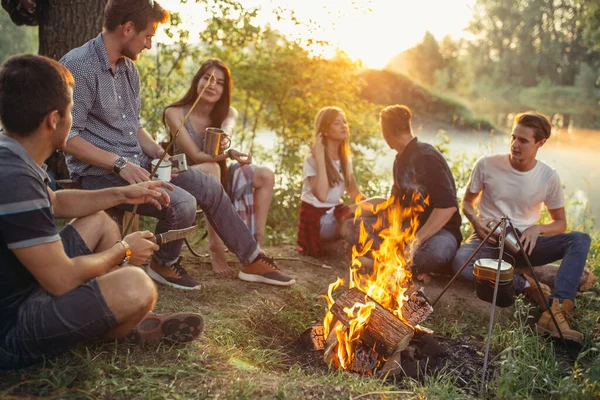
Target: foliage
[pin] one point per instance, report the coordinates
(531, 365)
(387, 87)
(15, 39)
(524, 54)
(420, 62)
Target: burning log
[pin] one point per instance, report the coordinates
(313, 338)
(416, 308)
(383, 326)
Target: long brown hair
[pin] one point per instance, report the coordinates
(220, 109)
(324, 119)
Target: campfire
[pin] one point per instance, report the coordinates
(368, 327)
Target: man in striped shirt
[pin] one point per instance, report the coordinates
(59, 289)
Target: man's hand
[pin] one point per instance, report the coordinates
(147, 192)
(134, 174)
(240, 157)
(409, 251)
(529, 238)
(141, 244)
(481, 227)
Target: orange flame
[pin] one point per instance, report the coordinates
(389, 278)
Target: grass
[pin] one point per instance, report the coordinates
(249, 350)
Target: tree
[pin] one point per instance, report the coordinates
(420, 62)
(66, 24)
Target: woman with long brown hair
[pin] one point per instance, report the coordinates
(327, 176)
(249, 186)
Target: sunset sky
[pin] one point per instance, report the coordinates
(370, 30)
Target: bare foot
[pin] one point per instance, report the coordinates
(425, 278)
(219, 264)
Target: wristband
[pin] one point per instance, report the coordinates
(127, 252)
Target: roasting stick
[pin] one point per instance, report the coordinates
(169, 146)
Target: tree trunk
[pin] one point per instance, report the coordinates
(65, 25)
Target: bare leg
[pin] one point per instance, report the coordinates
(98, 231)
(216, 248)
(130, 295)
(263, 183)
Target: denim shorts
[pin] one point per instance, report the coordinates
(47, 325)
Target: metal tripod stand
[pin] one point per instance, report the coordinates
(503, 221)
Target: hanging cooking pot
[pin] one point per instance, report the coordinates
(485, 270)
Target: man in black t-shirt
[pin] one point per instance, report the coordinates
(59, 289)
(424, 184)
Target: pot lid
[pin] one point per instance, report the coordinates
(493, 264)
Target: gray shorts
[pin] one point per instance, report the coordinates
(47, 325)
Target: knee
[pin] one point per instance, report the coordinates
(141, 291)
(105, 222)
(580, 238)
(212, 168)
(264, 177)
(184, 210)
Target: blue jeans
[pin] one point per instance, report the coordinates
(190, 188)
(432, 256)
(572, 248)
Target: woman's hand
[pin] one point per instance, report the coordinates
(242, 158)
(318, 150)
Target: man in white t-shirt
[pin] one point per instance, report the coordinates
(517, 186)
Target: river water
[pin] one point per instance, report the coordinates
(575, 154)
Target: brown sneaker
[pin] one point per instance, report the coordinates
(264, 270)
(534, 294)
(175, 328)
(175, 275)
(562, 313)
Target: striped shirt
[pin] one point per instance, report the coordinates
(107, 106)
(26, 220)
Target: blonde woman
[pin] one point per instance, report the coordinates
(327, 176)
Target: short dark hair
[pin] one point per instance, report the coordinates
(31, 86)
(541, 125)
(140, 12)
(396, 118)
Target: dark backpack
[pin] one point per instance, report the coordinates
(23, 12)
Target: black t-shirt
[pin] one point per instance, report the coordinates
(26, 220)
(421, 169)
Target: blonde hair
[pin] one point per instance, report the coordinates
(324, 119)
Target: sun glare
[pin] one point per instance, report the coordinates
(370, 30)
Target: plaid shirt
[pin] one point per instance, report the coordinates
(309, 227)
(107, 106)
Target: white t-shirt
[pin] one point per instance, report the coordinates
(333, 195)
(516, 194)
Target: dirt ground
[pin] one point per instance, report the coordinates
(457, 311)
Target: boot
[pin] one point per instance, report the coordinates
(534, 294)
(562, 314)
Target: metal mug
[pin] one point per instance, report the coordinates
(215, 141)
(163, 172)
(511, 243)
